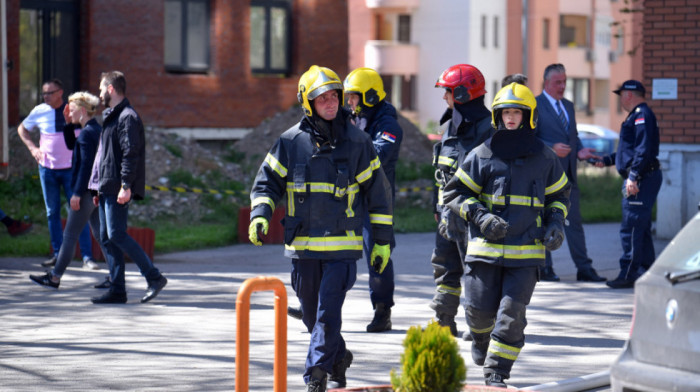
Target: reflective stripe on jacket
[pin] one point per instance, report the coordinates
(454, 147)
(518, 190)
(327, 189)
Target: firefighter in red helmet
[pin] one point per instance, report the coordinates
(468, 124)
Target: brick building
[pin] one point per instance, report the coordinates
(672, 57)
(212, 68)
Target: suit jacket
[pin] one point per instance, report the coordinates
(550, 130)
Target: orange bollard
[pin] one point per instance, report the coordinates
(261, 283)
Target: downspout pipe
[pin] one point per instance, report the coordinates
(524, 34)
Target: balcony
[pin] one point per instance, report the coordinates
(393, 4)
(391, 57)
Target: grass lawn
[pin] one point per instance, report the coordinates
(22, 197)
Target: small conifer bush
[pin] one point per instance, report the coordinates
(431, 361)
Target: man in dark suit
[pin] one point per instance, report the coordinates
(556, 127)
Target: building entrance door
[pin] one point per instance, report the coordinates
(48, 48)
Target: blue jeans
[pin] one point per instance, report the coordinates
(116, 242)
(51, 183)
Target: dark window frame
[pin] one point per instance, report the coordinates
(268, 5)
(496, 23)
(183, 67)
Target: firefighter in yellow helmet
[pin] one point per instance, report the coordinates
(365, 96)
(514, 195)
(331, 176)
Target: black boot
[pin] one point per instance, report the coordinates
(382, 319)
(295, 312)
(447, 320)
(337, 378)
(479, 351)
(495, 380)
(317, 383)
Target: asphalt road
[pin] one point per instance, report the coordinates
(185, 340)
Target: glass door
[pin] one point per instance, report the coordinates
(48, 48)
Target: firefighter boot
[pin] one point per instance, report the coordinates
(479, 350)
(382, 319)
(337, 378)
(447, 320)
(495, 380)
(317, 382)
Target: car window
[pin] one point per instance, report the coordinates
(683, 252)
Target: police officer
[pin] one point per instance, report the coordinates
(468, 124)
(331, 176)
(514, 194)
(364, 92)
(636, 161)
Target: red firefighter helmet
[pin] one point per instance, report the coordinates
(465, 81)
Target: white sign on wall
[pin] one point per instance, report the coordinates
(664, 89)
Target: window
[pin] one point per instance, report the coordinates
(577, 91)
(404, 28)
(573, 31)
(400, 91)
(545, 33)
(186, 46)
(483, 31)
(270, 22)
(495, 31)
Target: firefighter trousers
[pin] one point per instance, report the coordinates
(495, 307)
(321, 286)
(448, 266)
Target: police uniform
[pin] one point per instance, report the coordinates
(328, 189)
(636, 160)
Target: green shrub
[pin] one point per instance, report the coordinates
(431, 362)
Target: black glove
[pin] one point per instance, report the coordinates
(451, 226)
(492, 226)
(554, 231)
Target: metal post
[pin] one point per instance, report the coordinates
(261, 283)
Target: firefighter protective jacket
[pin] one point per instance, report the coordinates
(328, 190)
(386, 134)
(525, 191)
(449, 153)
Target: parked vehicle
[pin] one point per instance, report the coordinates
(663, 349)
(601, 139)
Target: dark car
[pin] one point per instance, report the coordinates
(602, 140)
(663, 350)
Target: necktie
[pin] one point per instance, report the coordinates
(562, 117)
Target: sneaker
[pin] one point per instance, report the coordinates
(495, 380)
(105, 284)
(337, 378)
(154, 288)
(110, 298)
(90, 264)
(17, 228)
(49, 263)
(44, 281)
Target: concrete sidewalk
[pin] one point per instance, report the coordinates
(185, 339)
